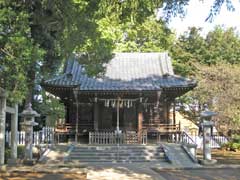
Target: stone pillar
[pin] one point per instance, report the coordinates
(14, 131)
(3, 97)
(29, 121)
(95, 116)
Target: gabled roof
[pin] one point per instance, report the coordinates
(126, 71)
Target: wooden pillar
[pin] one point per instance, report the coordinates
(168, 111)
(140, 122)
(118, 114)
(95, 114)
(14, 131)
(174, 112)
(77, 112)
(3, 97)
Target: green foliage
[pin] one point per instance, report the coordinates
(52, 108)
(20, 151)
(17, 51)
(36, 36)
(231, 146)
(215, 62)
(7, 154)
(219, 46)
(150, 35)
(188, 49)
(222, 46)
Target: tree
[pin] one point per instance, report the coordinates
(17, 50)
(189, 48)
(214, 62)
(151, 35)
(219, 87)
(219, 46)
(222, 45)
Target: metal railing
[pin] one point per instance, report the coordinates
(182, 137)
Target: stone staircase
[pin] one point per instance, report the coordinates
(115, 154)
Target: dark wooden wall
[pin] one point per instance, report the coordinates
(107, 116)
(153, 114)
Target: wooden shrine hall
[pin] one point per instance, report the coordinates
(131, 100)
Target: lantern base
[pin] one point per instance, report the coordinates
(29, 162)
(12, 162)
(207, 162)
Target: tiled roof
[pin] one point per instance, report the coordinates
(126, 71)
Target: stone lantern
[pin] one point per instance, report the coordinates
(207, 124)
(28, 116)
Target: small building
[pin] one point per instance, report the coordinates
(135, 93)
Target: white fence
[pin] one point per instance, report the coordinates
(216, 141)
(45, 136)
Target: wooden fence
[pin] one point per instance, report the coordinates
(44, 136)
(111, 137)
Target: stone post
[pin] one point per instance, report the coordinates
(3, 97)
(29, 121)
(207, 124)
(14, 131)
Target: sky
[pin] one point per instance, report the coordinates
(198, 11)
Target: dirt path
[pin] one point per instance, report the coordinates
(41, 176)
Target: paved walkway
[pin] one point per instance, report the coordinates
(202, 174)
(54, 162)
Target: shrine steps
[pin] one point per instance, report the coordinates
(117, 154)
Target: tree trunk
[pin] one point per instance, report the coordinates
(31, 82)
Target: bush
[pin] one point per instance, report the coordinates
(231, 146)
(7, 154)
(20, 151)
(236, 139)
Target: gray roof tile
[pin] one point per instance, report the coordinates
(126, 71)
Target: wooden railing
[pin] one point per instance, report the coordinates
(112, 137)
(163, 128)
(71, 128)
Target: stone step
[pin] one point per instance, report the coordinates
(128, 153)
(116, 157)
(120, 151)
(117, 147)
(114, 161)
(111, 148)
(115, 153)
